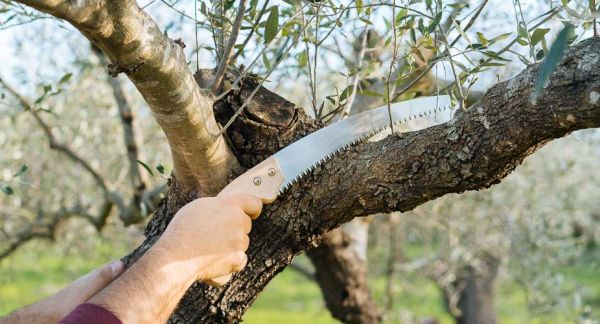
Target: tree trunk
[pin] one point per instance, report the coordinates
(475, 303)
(341, 272)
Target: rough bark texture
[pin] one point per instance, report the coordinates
(475, 150)
(342, 277)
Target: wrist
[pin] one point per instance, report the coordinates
(173, 262)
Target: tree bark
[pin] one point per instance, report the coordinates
(342, 277)
(475, 150)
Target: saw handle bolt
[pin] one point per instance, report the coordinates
(271, 172)
(257, 181)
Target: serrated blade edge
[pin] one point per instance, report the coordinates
(300, 157)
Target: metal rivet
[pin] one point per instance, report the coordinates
(257, 181)
(271, 172)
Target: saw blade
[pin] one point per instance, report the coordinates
(300, 157)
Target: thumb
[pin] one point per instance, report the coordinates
(82, 289)
(97, 279)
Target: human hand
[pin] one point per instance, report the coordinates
(211, 234)
(53, 308)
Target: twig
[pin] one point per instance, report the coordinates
(392, 63)
(235, 30)
(196, 35)
(259, 55)
(359, 61)
(53, 143)
(249, 36)
(247, 101)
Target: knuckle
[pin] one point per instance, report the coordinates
(104, 274)
(245, 242)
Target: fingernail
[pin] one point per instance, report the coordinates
(117, 267)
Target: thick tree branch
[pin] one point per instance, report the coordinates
(157, 67)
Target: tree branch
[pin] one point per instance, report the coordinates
(235, 30)
(47, 223)
(52, 142)
(138, 184)
(157, 67)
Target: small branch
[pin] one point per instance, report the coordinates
(138, 185)
(249, 36)
(264, 78)
(53, 143)
(47, 229)
(359, 62)
(224, 63)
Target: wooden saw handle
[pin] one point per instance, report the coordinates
(262, 181)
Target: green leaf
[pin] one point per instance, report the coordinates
(402, 14)
(146, 167)
(522, 31)
(522, 42)
(346, 92)
(21, 171)
(435, 22)
(302, 59)
(549, 64)
(365, 20)
(7, 190)
(484, 41)
(272, 24)
(538, 35)
(228, 4)
(266, 62)
(370, 93)
(65, 78)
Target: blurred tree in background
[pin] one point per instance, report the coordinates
(82, 156)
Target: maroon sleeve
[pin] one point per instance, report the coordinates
(90, 314)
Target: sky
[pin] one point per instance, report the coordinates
(44, 50)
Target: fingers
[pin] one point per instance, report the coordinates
(239, 262)
(251, 205)
(234, 262)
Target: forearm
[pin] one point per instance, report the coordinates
(149, 291)
(36, 314)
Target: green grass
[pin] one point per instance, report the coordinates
(40, 269)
